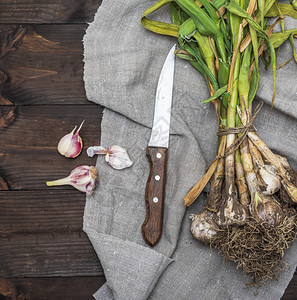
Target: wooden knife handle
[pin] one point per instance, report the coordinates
(154, 195)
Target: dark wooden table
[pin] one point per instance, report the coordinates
(44, 254)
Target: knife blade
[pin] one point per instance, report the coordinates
(157, 153)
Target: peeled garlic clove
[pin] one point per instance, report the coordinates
(118, 158)
(71, 144)
(91, 151)
(83, 178)
(65, 142)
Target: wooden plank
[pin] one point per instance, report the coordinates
(41, 64)
(69, 288)
(41, 211)
(48, 11)
(29, 138)
(48, 255)
(291, 291)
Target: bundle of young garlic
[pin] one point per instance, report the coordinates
(250, 215)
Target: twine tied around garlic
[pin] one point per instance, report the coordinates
(244, 130)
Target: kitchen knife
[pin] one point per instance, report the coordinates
(157, 154)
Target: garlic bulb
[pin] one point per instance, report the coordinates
(266, 209)
(269, 175)
(232, 212)
(115, 156)
(204, 227)
(83, 178)
(71, 144)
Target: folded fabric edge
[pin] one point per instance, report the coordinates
(104, 293)
(131, 270)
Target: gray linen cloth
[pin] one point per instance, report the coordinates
(122, 65)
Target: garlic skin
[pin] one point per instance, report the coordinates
(91, 151)
(83, 178)
(269, 175)
(232, 212)
(267, 210)
(204, 227)
(71, 144)
(116, 156)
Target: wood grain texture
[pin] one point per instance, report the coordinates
(41, 64)
(48, 11)
(291, 291)
(154, 195)
(28, 148)
(58, 288)
(40, 227)
(48, 255)
(41, 211)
